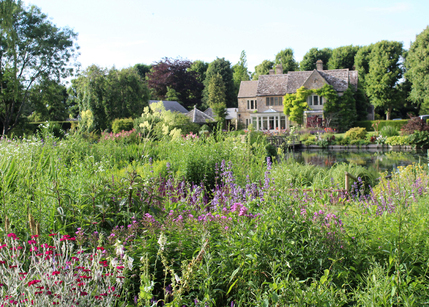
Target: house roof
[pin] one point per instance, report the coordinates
(199, 117)
(172, 106)
(281, 84)
(231, 113)
(272, 85)
(248, 89)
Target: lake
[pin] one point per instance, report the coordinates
(380, 160)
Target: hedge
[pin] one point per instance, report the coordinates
(393, 123)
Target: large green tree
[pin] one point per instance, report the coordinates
(417, 63)
(385, 72)
(200, 67)
(362, 62)
(31, 48)
(222, 67)
(109, 94)
(217, 97)
(343, 57)
(262, 69)
(240, 72)
(286, 58)
(310, 58)
(48, 101)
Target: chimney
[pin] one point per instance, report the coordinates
(319, 65)
(279, 69)
(271, 72)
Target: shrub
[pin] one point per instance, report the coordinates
(205, 128)
(398, 124)
(420, 138)
(356, 133)
(122, 124)
(388, 131)
(397, 140)
(415, 124)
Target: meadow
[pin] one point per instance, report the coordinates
(204, 221)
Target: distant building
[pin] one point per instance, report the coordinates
(260, 102)
(172, 106)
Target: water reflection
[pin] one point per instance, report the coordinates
(380, 160)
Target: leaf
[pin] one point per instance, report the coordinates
(233, 274)
(230, 288)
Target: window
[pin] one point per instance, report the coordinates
(252, 104)
(276, 101)
(314, 100)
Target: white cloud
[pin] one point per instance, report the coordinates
(395, 8)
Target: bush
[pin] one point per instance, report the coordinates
(388, 131)
(356, 133)
(415, 124)
(398, 124)
(420, 138)
(397, 140)
(122, 124)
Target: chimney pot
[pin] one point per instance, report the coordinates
(319, 65)
(279, 69)
(271, 71)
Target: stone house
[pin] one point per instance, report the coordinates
(261, 102)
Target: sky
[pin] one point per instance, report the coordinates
(122, 33)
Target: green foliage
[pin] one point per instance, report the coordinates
(343, 57)
(240, 72)
(312, 56)
(296, 104)
(32, 49)
(356, 133)
(398, 140)
(388, 131)
(223, 68)
(417, 70)
(216, 97)
(385, 71)
(122, 124)
(420, 138)
(262, 69)
(367, 124)
(109, 94)
(286, 59)
(200, 67)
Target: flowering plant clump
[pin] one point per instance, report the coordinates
(34, 274)
(190, 136)
(116, 136)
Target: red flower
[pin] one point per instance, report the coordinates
(52, 234)
(56, 272)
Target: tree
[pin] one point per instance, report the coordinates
(217, 97)
(31, 48)
(143, 70)
(286, 58)
(362, 62)
(385, 71)
(417, 63)
(262, 69)
(200, 67)
(222, 67)
(343, 57)
(294, 105)
(175, 74)
(310, 58)
(48, 101)
(109, 94)
(240, 72)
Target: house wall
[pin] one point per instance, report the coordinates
(244, 113)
